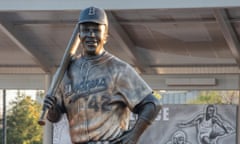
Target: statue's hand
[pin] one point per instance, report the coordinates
(49, 102)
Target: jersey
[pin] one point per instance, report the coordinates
(98, 94)
(205, 128)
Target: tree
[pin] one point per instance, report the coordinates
(216, 97)
(157, 94)
(208, 97)
(22, 127)
(230, 97)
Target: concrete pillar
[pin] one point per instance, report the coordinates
(48, 133)
(238, 114)
(4, 119)
(48, 128)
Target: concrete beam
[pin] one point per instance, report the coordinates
(29, 5)
(126, 44)
(17, 38)
(22, 81)
(121, 37)
(223, 82)
(228, 33)
(21, 70)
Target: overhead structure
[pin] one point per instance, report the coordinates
(55, 5)
(228, 33)
(157, 37)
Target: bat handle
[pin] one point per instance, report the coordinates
(42, 119)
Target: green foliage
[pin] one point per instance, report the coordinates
(208, 97)
(230, 97)
(157, 94)
(22, 127)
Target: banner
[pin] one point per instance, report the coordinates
(180, 124)
(193, 124)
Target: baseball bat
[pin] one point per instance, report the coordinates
(58, 76)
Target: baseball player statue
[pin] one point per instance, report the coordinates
(98, 91)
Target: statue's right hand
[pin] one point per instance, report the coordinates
(49, 102)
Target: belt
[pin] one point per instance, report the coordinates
(98, 142)
(95, 142)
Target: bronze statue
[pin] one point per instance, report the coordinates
(98, 91)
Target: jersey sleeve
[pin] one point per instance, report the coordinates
(131, 87)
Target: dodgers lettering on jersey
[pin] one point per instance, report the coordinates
(99, 96)
(87, 87)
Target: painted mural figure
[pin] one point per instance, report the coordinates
(179, 137)
(206, 124)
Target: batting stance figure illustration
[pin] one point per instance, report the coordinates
(206, 126)
(98, 91)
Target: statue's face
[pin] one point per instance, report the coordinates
(93, 37)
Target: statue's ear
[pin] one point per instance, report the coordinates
(106, 37)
